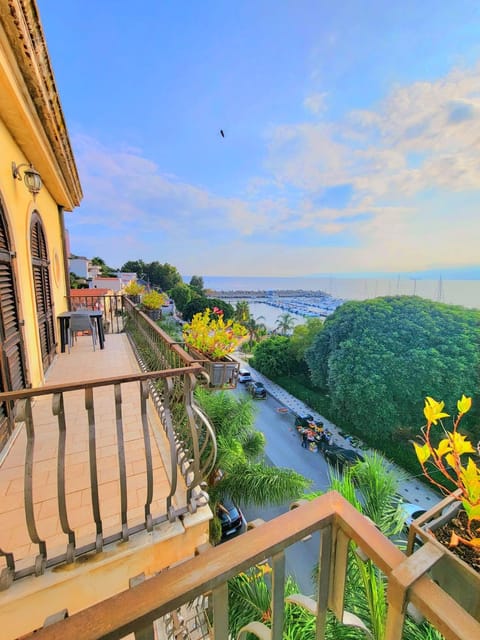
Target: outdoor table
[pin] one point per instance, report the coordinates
(64, 319)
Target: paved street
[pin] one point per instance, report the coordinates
(283, 449)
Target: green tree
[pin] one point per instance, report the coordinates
(105, 269)
(255, 329)
(240, 472)
(181, 295)
(372, 488)
(134, 266)
(196, 283)
(303, 336)
(198, 305)
(366, 588)
(164, 276)
(273, 358)
(242, 312)
(379, 359)
(285, 323)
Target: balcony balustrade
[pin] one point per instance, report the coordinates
(98, 463)
(59, 440)
(157, 607)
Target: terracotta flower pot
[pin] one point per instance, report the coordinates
(451, 573)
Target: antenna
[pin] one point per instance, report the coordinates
(439, 297)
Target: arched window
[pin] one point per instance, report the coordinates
(43, 291)
(12, 361)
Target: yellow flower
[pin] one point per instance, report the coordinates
(464, 404)
(423, 453)
(460, 444)
(433, 410)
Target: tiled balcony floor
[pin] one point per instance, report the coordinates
(81, 364)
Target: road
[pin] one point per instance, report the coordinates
(283, 449)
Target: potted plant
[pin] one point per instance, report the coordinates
(134, 290)
(152, 303)
(454, 523)
(211, 339)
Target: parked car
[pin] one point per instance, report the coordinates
(232, 519)
(244, 375)
(340, 457)
(257, 390)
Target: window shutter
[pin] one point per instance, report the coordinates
(43, 291)
(12, 361)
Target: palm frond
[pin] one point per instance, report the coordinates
(378, 484)
(259, 485)
(229, 414)
(254, 446)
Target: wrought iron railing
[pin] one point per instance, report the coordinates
(190, 442)
(112, 307)
(158, 601)
(156, 350)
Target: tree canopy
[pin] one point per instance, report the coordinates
(240, 472)
(378, 359)
(164, 276)
(273, 357)
(199, 304)
(196, 283)
(181, 294)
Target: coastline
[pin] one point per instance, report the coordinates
(464, 293)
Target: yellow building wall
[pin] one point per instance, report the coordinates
(19, 207)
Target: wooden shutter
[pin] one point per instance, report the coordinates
(12, 361)
(43, 291)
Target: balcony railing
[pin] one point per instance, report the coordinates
(156, 348)
(112, 307)
(57, 431)
(157, 602)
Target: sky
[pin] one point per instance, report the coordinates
(351, 133)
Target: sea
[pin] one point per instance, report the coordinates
(465, 293)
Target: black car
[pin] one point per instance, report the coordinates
(257, 390)
(233, 521)
(340, 457)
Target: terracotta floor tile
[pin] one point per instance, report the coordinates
(81, 364)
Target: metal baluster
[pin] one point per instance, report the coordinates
(7, 574)
(144, 393)
(24, 413)
(59, 411)
(323, 584)
(121, 460)
(220, 612)
(92, 450)
(278, 595)
(169, 430)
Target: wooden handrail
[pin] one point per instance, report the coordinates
(138, 607)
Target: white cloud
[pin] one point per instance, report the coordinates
(315, 103)
(423, 138)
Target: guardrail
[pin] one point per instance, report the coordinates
(159, 600)
(111, 306)
(190, 444)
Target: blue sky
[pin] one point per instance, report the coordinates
(352, 133)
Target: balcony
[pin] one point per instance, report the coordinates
(102, 479)
(158, 607)
(103, 521)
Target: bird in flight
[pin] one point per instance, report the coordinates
(221, 133)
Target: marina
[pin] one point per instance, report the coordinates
(270, 305)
